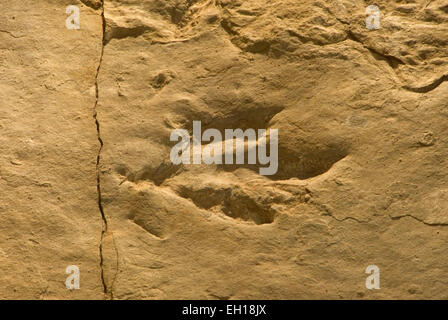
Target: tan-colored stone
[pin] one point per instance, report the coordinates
(49, 216)
(362, 177)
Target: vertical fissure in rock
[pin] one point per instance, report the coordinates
(104, 229)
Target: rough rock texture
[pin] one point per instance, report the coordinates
(48, 145)
(363, 149)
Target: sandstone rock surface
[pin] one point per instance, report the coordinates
(86, 177)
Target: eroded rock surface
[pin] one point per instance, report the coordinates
(48, 145)
(363, 133)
